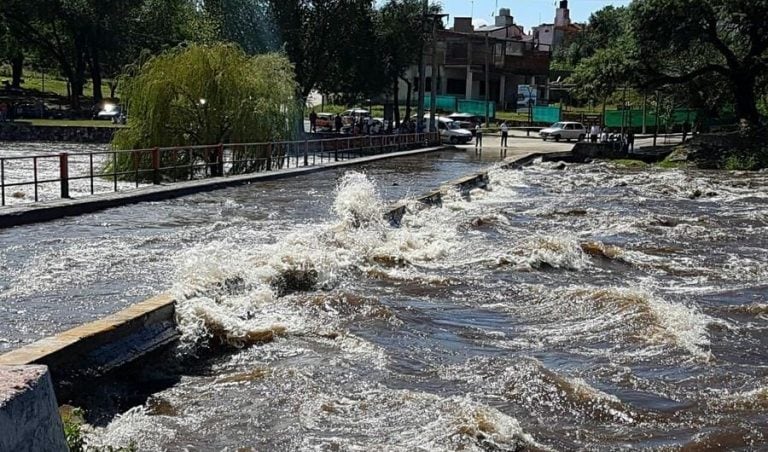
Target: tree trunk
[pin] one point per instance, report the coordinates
(77, 78)
(408, 100)
(396, 97)
(96, 76)
(77, 83)
(112, 88)
(17, 70)
(745, 99)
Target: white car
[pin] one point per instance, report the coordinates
(450, 130)
(564, 131)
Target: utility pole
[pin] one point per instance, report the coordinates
(422, 68)
(487, 79)
(435, 73)
(623, 110)
(658, 103)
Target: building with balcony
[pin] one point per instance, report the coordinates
(516, 62)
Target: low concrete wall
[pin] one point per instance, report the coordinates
(103, 345)
(29, 414)
(583, 151)
(20, 131)
(397, 211)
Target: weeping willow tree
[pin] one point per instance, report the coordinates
(202, 95)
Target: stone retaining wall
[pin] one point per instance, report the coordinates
(74, 134)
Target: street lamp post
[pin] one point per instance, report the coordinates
(487, 79)
(422, 69)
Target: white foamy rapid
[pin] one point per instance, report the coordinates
(559, 252)
(234, 292)
(637, 323)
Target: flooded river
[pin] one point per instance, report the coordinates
(568, 307)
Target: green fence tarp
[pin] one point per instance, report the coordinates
(477, 107)
(443, 103)
(634, 118)
(547, 115)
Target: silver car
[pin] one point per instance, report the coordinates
(564, 131)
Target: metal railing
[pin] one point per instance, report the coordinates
(121, 169)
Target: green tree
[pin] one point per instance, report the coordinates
(681, 41)
(205, 94)
(243, 22)
(11, 52)
(604, 27)
(401, 35)
(330, 42)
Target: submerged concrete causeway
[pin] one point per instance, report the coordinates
(28, 408)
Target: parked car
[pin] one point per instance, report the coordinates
(450, 130)
(359, 112)
(564, 131)
(112, 112)
(325, 120)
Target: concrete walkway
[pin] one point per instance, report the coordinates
(51, 210)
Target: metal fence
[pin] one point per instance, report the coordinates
(123, 169)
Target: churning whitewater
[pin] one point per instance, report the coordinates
(566, 307)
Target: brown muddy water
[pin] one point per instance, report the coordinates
(570, 307)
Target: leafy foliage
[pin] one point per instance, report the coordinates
(707, 52)
(208, 94)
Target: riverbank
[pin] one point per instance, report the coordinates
(50, 131)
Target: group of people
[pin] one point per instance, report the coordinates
(503, 130)
(366, 125)
(624, 139)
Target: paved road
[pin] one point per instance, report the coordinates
(518, 145)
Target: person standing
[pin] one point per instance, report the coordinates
(478, 137)
(313, 121)
(594, 133)
(631, 141)
(504, 134)
(338, 123)
(686, 130)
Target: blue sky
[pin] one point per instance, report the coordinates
(527, 13)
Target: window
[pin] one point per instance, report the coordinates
(456, 86)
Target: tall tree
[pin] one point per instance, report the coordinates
(402, 36)
(326, 40)
(243, 22)
(682, 41)
(11, 52)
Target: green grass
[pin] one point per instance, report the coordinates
(68, 122)
(33, 80)
(670, 164)
(629, 163)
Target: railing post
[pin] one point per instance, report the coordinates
(136, 157)
(156, 166)
(220, 160)
(2, 180)
(34, 163)
(64, 174)
(306, 153)
(269, 157)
